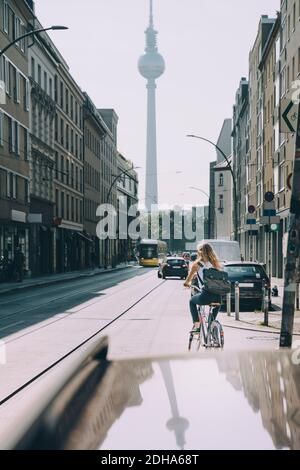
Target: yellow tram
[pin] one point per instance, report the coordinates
(151, 252)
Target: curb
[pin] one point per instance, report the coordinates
(245, 328)
(58, 281)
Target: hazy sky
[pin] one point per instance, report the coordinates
(205, 45)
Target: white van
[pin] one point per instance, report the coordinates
(226, 250)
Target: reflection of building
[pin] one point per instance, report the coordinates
(176, 423)
(271, 386)
(118, 389)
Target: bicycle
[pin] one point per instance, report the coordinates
(211, 333)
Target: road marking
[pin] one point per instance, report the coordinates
(12, 324)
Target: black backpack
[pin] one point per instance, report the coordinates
(215, 281)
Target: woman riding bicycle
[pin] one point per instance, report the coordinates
(207, 258)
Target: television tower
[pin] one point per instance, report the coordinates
(151, 66)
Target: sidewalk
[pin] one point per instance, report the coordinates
(254, 320)
(6, 287)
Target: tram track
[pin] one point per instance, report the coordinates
(75, 349)
(69, 295)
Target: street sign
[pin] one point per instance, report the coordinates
(251, 209)
(269, 220)
(289, 116)
(269, 213)
(251, 221)
(269, 196)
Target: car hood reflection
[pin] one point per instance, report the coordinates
(212, 401)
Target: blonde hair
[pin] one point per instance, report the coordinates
(209, 254)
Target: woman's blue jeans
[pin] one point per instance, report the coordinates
(204, 298)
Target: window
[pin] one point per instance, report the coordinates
(39, 77)
(55, 88)
(56, 165)
(72, 209)
(33, 68)
(62, 169)
(294, 16)
(26, 144)
(81, 212)
(61, 95)
(45, 82)
(68, 207)
(77, 214)
(221, 204)
(16, 76)
(5, 18)
(221, 179)
(67, 101)
(72, 175)
(62, 204)
(68, 171)
(67, 136)
(50, 87)
(1, 128)
(81, 181)
(56, 201)
(76, 178)
(72, 107)
(26, 93)
(61, 131)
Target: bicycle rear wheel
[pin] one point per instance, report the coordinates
(217, 334)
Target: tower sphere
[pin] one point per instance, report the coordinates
(151, 65)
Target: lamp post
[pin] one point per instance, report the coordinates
(31, 33)
(124, 172)
(214, 210)
(235, 220)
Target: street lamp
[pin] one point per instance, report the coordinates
(213, 208)
(233, 181)
(31, 33)
(124, 172)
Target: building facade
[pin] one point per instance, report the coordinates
(95, 134)
(16, 16)
(127, 192)
(240, 145)
(68, 180)
(42, 69)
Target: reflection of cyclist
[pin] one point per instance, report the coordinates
(207, 258)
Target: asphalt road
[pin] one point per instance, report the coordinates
(142, 315)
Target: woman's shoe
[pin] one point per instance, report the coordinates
(195, 330)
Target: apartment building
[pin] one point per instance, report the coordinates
(240, 142)
(69, 164)
(109, 169)
(255, 163)
(16, 17)
(42, 69)
(95, 134)
(127, 193)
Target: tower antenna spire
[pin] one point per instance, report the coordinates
(151, 13)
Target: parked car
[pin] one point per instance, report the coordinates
(174, 267)
(252, 278)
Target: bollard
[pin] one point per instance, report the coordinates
(237, 300)
(228, 304)
(266, 305)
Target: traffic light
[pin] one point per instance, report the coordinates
(274, 227)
